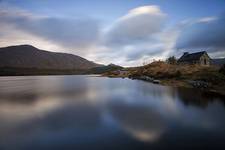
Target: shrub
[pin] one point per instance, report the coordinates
(222, 69)
(178, 74)
(171, 60)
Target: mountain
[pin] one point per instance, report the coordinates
(104, 69)
(26, 60)
(218, 62)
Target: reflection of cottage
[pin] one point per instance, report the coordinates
(201, 58)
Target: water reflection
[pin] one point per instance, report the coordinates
(198, 98)
(141, 122)
(82, 112)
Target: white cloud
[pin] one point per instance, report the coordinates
(139, 25)
(74, 35)
(207, 19)
(135, 36)
(11, 36)
(151, 9)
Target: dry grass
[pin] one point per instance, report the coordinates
(162, 70)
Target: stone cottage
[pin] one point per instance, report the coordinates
(201, 58)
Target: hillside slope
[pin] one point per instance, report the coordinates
(104, 69)
(26, 56)
(218, 62)
(26, 59)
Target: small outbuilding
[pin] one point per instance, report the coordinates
(201, 58)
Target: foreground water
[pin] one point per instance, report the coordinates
(96, 113)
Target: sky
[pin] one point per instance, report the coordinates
(123, 32)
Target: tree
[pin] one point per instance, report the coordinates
(172, 60)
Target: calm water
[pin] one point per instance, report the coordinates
(96, 113)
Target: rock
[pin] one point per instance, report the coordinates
(200, 84)
(146, 78)
(156, 81)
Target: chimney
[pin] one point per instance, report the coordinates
(186, 53)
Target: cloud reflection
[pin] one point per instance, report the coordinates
(143, 123)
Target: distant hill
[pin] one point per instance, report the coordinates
(218, 62)
(104, 69)
(28, 60)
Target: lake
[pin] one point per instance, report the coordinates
(99, 113)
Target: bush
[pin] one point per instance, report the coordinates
(172, 60)
(222, 69)
(211, 76)
(178, 74)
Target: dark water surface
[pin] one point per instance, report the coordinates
(96, 113)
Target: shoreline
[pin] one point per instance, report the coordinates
(177, 84)
(204, 78)
(185, 84)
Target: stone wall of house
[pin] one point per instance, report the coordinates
(204, 60)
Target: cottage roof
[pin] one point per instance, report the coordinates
(192, 56)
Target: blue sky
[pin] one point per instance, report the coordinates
(125, 32)
(112, 9)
